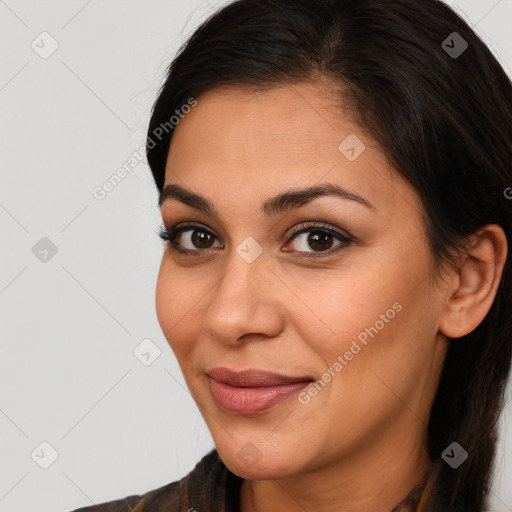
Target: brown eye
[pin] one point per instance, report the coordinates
(317, 240)
(320, 240)
(309, 239)
(192, 239)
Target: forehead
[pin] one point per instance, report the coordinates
(257, 142)
(293, 116)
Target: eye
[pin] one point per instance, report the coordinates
(311, 239)
(316, 238)
(188, 239)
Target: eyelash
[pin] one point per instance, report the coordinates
(171, 234)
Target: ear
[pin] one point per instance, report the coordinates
(472, 287)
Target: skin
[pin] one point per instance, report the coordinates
(360, 443)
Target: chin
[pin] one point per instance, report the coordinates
(262, 470)
(253, 463)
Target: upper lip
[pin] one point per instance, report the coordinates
(252, 377)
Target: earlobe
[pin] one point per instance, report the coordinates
(472, 287)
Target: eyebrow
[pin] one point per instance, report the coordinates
(283, 202)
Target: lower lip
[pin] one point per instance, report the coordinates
(252, 400)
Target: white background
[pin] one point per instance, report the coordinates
(70, 325)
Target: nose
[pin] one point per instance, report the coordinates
(246, 303)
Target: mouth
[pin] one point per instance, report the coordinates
(252, 391)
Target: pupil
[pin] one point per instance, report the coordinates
(200, 237)
(318, 239)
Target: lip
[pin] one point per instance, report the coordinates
(252, 391)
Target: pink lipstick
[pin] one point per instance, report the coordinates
(252, 391)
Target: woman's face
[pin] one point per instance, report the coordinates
(347, 306)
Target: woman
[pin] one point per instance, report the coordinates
(334, 181)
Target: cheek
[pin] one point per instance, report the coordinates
(178, 303)
(371, 320)
(339, 308)
(378, 296)
(380, 353)
(165, 298)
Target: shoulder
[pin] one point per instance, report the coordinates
(163, 498)
(209, 484)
